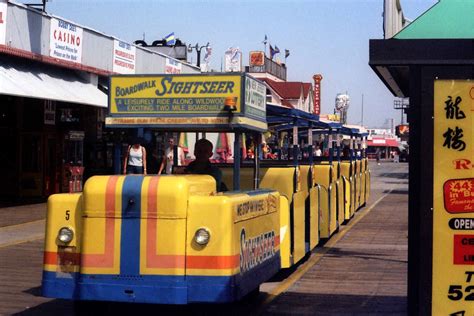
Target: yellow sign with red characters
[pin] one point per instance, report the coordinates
(167, 94)
(453, 198)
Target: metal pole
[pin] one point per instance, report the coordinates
(256, 167)
(117, 158)
(310, 143)
(236, 180)
(331, 152)
(198, 50)
(295, 144)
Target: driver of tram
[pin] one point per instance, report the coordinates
(202, 165)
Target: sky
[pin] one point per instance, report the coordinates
(330, 37)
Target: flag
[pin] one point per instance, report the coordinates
(273, 51)
(208, 54)
(287, 53)
(206, 66)
(265, 40)
(183, 142)
(170, 39)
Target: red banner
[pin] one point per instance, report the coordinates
(317, 94)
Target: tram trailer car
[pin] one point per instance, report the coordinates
(160, 239)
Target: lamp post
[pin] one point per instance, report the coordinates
(198, 51)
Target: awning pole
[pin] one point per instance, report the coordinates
(237, 155)
(256, 167)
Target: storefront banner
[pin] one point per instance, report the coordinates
(124, 57)
(453, 198)
(255, 95)
(173, 66)
(3, 21)
(65, 41)
(173, 94)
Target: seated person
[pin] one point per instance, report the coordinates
(202, 165)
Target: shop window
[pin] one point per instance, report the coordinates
(69, 115)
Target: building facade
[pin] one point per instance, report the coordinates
(53, 99)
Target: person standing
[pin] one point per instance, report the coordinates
(378, 155)
(135, 159)
(167, 161)
(317, 151)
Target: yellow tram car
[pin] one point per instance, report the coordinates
(174, 239)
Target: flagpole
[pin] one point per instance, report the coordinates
(265, 45)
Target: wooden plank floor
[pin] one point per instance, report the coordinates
(15, 215)
(20, 268)
(365, 272)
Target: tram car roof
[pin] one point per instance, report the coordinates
(281, 118)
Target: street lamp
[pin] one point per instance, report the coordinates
(198, 50)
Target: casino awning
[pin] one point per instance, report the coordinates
(36, 80)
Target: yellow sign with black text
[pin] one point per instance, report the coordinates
(453, 198)
(186, 94)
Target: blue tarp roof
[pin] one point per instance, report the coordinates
(281, 118)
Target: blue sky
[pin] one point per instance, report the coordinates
(330, 37)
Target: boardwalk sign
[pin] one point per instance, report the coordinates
(172, 94)
(453, 198)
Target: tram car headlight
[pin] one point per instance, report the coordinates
(65, 235)
(202, 236)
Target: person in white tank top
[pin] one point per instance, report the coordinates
(167, 161)
(135, 160)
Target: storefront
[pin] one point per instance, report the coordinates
(431, 61)
(53, 101)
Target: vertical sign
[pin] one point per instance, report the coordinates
(124, 58)
(453, 198)
(233, 60)
(3, 21)
(255, 98)
(317, 94)
(65, 41)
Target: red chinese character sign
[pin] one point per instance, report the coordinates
(453, 198)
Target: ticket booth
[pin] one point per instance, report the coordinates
(431, 61)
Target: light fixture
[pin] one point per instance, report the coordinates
(65, 235)
(202, 236)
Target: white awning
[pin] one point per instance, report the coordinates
(42, 81)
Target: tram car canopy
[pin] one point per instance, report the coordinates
(188, 102)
